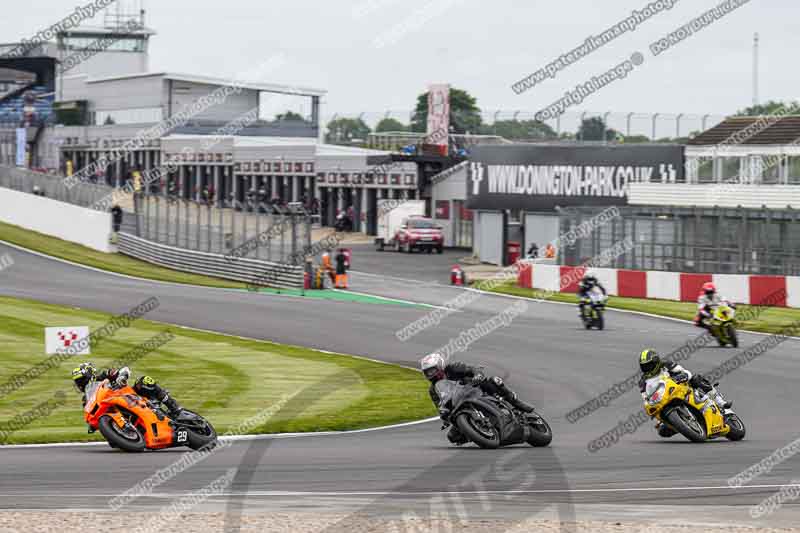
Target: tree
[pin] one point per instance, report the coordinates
(390, 124)
(343, 130)
(289, 116)
(520, 129)
(771, 108)
(631, 139)
(594, 129)
(465, 116)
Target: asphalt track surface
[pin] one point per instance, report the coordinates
(544, 354)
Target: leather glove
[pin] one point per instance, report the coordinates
(478, 379)
(123, 374)
(112, 374)
(681, 377)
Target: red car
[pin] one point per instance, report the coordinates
(419, 233)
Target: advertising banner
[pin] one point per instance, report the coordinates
(540, 177)
(22, 147)
(438, 117)
(57, 340)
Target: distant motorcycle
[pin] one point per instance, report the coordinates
(593, 310)
(723, 325)
(487, 420)
(343, 223)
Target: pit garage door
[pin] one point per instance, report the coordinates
(490, 237)
(540, 229)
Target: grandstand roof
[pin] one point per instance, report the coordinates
(208, 80)
(323, 149)
(774, 131)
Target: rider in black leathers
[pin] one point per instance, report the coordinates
(435, 369)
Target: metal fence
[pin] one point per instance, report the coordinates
(52, 186)
(646, 126)
(683, 239)
(258, 234)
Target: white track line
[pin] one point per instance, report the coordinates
(428, 493)
(235, 438)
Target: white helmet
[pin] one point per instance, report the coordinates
(432, 366)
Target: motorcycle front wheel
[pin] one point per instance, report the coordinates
(127, 439)
(737, 431)
(683, 421)
(482, 432)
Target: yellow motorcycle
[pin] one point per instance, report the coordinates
(723, 325)
(690, 412)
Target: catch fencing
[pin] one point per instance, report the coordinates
(692, 239)
(52, 186)
(260, 233)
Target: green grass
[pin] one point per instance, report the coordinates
(766, 320)
(225, 378)
(112, 262)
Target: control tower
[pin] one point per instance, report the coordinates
(119, 46)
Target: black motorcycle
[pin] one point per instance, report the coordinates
(488, 420)
(593, 308)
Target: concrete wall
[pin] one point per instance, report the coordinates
(723, 195)
(57, 219)
(779, 291)
(186, 93)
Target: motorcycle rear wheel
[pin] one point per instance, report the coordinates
(199, 437)
(732, 336)
(129, 441)
(540, 433)
(684, 422)
(465, 424)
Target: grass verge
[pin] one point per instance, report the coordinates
(119, 263)
(767, 320)
(225, 378)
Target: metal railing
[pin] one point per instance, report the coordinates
(259, 234)
(254, 273)
(52, 186)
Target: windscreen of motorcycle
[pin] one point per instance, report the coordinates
(653, 385)
(446, 390)
(91, 395)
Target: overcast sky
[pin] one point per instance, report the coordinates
(481, 46)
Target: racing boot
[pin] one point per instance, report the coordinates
(456, 437)
(512, 398)
(720, 400)
(497, 386)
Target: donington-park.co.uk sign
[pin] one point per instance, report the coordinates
(543, 176)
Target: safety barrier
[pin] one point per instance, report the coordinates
(251, 271)
(779, 291)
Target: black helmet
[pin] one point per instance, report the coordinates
(82, 375)
(650, 363)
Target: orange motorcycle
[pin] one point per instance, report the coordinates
(134, 424)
